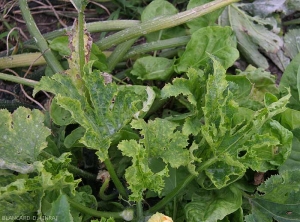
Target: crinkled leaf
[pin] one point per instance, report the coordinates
(212, 206)
(193, 89)
(292, 43)
(110, 108)
(24, 196)
(160, 141)
(160, 8)
(217, 41)
(205, 20)
(279, 199)
(153, 68)
(257, 142)
(290, 80)
(252, 36)
(23, 137)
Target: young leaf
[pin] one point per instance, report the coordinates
(194, 89)
(61, 209)
(213, 205)
(23, 137)
(258, 142)
(279, 199)
(160, 142)
(217, 41)
(153, 68)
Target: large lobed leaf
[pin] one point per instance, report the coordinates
(23, 137)
(161, 142)
(279, 199)
(109, 108)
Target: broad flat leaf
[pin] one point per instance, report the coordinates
(61, 209)
(292, 43)
(212, 206)
(252, 36)
(23, 137)
(153, 68)
(217, 41)
(289, 80)
(193, 89)
(293, 161)
(160, 142)
(279, 199)
(109, 110)
(257, 142)
(290, 119)
(264, 8)
(205, 20)
(160, 8)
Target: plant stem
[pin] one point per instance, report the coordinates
(157, 45)
(102, 194)
(292, 22)
(71, 168)
(161, 23)
(17, 79)
(118, 53)
(81, 44)
(180, 187)
(139, 210)
(37, 36)
(22, 60)
(115, 178)
(93, 212)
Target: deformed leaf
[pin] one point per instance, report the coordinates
(279, 199)
(193, 89)
(23, 137)
(217, 41)
(161, 142)
(109, 108)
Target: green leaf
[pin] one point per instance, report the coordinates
(252, 37)
(61, 45)
(205, 20)
(109, 110)
(24, 196)
(292, 43)
(211, 206)
(217, 41)
(79, 4)
(23, 137)
(153, 68)
(193, 89)
(289, 79)
(61, 209)
(160, 142)
(278, 199)
(160, 8)
(258, 142)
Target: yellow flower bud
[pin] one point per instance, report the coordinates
(159, 217)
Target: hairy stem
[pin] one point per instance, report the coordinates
(16, 79)
(161, 23)
(94, 212)
(102, 194)
(22, 60)
(115, 178)
(180, 187)
(39, 39)
(81, 45)
(118, 54)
